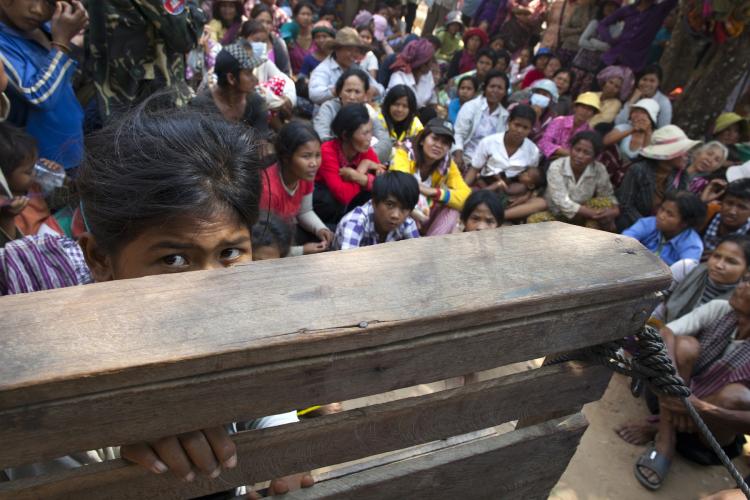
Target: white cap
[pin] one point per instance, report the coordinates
(648, 105)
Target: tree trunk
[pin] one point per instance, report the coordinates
(711, 84)
(681, 54)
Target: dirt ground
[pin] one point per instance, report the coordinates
(602, 467)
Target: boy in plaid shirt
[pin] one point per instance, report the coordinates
(384, 218)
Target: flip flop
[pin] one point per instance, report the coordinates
(655, 462)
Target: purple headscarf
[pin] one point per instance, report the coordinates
(416, 53)
(628, 80)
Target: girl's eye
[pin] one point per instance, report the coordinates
(174, 260)
(231, 254)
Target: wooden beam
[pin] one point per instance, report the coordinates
(116, 335)
(522, 464)
(341, 437)
(33, 432)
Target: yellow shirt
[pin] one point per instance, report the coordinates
(413, 131)
(452, 183)
(608, 112)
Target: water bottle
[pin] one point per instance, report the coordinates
(48, 179)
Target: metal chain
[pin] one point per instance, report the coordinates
(652, 366)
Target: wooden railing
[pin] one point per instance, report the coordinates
(128, 361)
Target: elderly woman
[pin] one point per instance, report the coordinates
(441, 185)
(706, 164)
(659, 170)
(482, 116)
(647, 85)
(578, 187)
(616, 83)
(413, 69)
(556, 141)
(348, 166)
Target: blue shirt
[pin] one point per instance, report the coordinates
(453, 108)
(686, 245)
(41, 96)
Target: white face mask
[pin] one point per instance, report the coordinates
(540, 100)
(259, 49)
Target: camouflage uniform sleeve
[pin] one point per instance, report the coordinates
(180, 32)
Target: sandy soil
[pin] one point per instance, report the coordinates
(602, 467)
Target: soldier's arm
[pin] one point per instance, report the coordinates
(180, 32)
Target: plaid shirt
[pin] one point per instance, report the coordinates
(711, 236)
(357, 229)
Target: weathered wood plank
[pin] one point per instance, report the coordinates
(95, 338)
(522, 464)
(33, 432)
(342, 437)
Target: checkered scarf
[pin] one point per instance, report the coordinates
(711, 238)
(713, 369)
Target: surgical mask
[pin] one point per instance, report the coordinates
(540, 100)
(259, 49)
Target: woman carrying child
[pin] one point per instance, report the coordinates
(500, 158)
(288, 185)
(578, 187)
(441, 185)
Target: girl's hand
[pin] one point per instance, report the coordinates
(10, 207)
(325, 235)
(370, 166)
(429, 192)
(204, 452)
(55, 167)
(311, 248)
(67, 21)
(348, 174)
(636, 96)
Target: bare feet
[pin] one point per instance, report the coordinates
(637, 433)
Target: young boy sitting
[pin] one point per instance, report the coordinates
(384, 218)
(732, 218)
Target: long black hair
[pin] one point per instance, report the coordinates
(393, 95)
(291, 136)
(348, 120)
(155, 165)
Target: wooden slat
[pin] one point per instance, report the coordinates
(148, 411)
(94, 338)
(342, 437)
(522, 464)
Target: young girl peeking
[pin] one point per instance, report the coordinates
(482, 210)
(399, 115)
(206, 185)
(468, 88)
(501, 157)
(272, 237)
(288, 185)
(671, 234)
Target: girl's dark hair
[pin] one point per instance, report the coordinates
(571, 76)
(16, 147)
(260, 8)
(237, 17)
(742, 241)
(400, 185)
(272, 231)
(366, 27)
(487, 52)
(419, 156)
(155, 165)
(692, 209)
(503, 54)
(251, 27)
(301, 5)
(493, 201)
(523, 111)
(600, 10)
(498, 74)
(473, 79)
(651, 69)
(359, 73)
(348, 120)
(739, 189)
(393, 95)
(292, 135)
(593, 137)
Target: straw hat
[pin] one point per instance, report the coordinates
(590, 99)
(668, 142)
(348, 37)
(650, 106)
